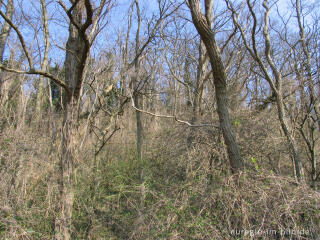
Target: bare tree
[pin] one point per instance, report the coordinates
(81, 17)
(203, 26)
(77, 51)
(274, 78)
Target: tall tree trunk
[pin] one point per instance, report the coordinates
(77, 51)
(44, 64)
(5, 30)
(136, 96)
(202, 24)
(138, 103)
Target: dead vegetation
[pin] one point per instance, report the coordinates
(187, 193)
(180, 120)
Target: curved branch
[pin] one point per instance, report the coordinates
(38, 72)
(21, 39)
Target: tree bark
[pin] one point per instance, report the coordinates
(4, 37)
(198, 92)
(44, 64)
(137, 97)
(298, 168)
(220, 80)
(77, 51)
(6, 28)
(66, 174)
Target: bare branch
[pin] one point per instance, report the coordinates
(21, 39)
(169, 116)
(37, 72)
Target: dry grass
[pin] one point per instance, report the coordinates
(187, 193)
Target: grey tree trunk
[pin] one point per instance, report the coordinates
(44, 64)
(77, 51)
(5, 30)
(202, 24)
(137, 97)
(201, 72)
(66, 174)
(198, 91)
(298, 168)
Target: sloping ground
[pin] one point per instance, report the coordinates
(183, 197)
(186, 193)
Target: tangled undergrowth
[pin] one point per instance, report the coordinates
(186, 192)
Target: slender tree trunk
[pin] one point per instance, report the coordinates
(22, 107)
(52, 111)
(307, 63)
(277, 90)
(298, 169)
(198, 92)
(154, 104)
(139, 127)
(44, 64)
(310, 142)
(136, 95)
(202, 25)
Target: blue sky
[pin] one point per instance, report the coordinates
(58, 24)
(117, 22)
